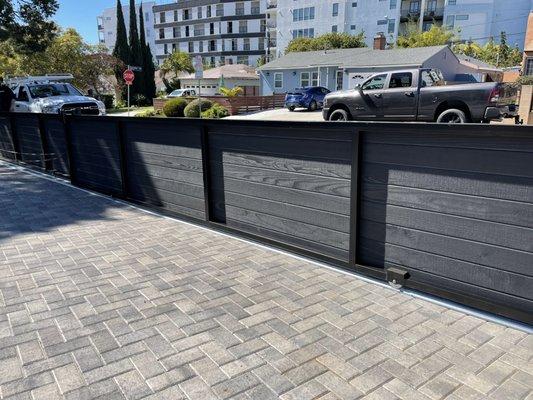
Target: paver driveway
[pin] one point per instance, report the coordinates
(100, 300)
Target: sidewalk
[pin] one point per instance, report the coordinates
(99, 300)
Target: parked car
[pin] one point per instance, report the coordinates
(182, 93)
(52, 94)
(311, 98)
(421, 95)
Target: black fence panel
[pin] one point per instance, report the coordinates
(28, 137)
(7, 148)
(288, 184)
(454, 210)
(448, 208)
(53, 129)
(163, 166)
(95, 161)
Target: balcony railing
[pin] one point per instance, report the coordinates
(413, 14)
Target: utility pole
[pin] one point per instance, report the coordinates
(422, 12)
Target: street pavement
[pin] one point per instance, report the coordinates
(100, 300)
(282, 114)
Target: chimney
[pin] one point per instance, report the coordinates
(380, 41)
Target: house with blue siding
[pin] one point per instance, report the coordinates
(342, 69)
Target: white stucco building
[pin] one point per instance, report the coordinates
(478, 20)
(107, 24)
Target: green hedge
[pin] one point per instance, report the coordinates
(175, 108)
(216, 112)
(193, 109)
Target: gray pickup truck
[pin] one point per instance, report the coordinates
(421, 95)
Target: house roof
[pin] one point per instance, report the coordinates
(475, 63)
(355, 58)
(230, 71)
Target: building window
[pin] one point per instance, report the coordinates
(233, 44)
(304, 79)
(393, 4)
(462, 17)
(314, 79)
(529, 67)
(211, 28)
(335, 9)
(263, 25)
(212, 45)
(414, 6)
(452, 2)
(243, 26)
(176, 32)
(201, 46)
(303, 14)
(339, 80)
(354, 4)
(261, 43)
(186, 15)
(222, 60)
(161, 33)
(165, 48)
(334, 28)
(230, 27)
(242, 60)
(392, 25)
(450, 21)
(162, 18)
(382, 22)
(255, 8)
(199, 12)
(278, 80)
(239, 8)
(199, 30)
(220, 10)
(208, 12)
(307, 32)
(187, 31)
(246, 44)
(352, 27)
(191, 47)
(174, 46)
(432, 6)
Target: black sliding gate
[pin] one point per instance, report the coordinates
(447, 210)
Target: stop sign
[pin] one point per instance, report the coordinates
(128, 76)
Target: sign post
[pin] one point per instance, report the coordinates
(199, 74)
(129, 77)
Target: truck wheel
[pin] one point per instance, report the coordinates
(292, 108)
(339, 115)
(313, 106)
(452, 116)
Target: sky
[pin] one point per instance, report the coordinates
(81, 15)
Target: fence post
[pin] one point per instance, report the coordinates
(206, 172)
(122, 151)
(14, 137)
(47, 164)
(68, 141)
(355, 196)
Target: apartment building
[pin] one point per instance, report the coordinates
(222, 32)
(478, 20)
(107, 24)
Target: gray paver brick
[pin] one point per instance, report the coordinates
(102, 301)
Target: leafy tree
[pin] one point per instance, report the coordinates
(176, 63)
(147, 62)
(234, 92)
(326, 42)
(414, 37)
(121, 50)
(27, 24)
(501, 55)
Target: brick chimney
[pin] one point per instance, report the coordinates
(380, 41)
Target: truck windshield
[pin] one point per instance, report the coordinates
(53, 89)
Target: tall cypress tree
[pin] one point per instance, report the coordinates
(121, 50)
(147, 62)
(135, 50)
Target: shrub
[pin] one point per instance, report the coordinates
(193, 109)
(525, 80)
(216, 112)
(175, 108)
(121, 104)
(140, 100)
(149, 113)
(107, 99)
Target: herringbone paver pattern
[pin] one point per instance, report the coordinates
(103, 301)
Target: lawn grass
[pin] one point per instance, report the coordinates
(134, 110)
